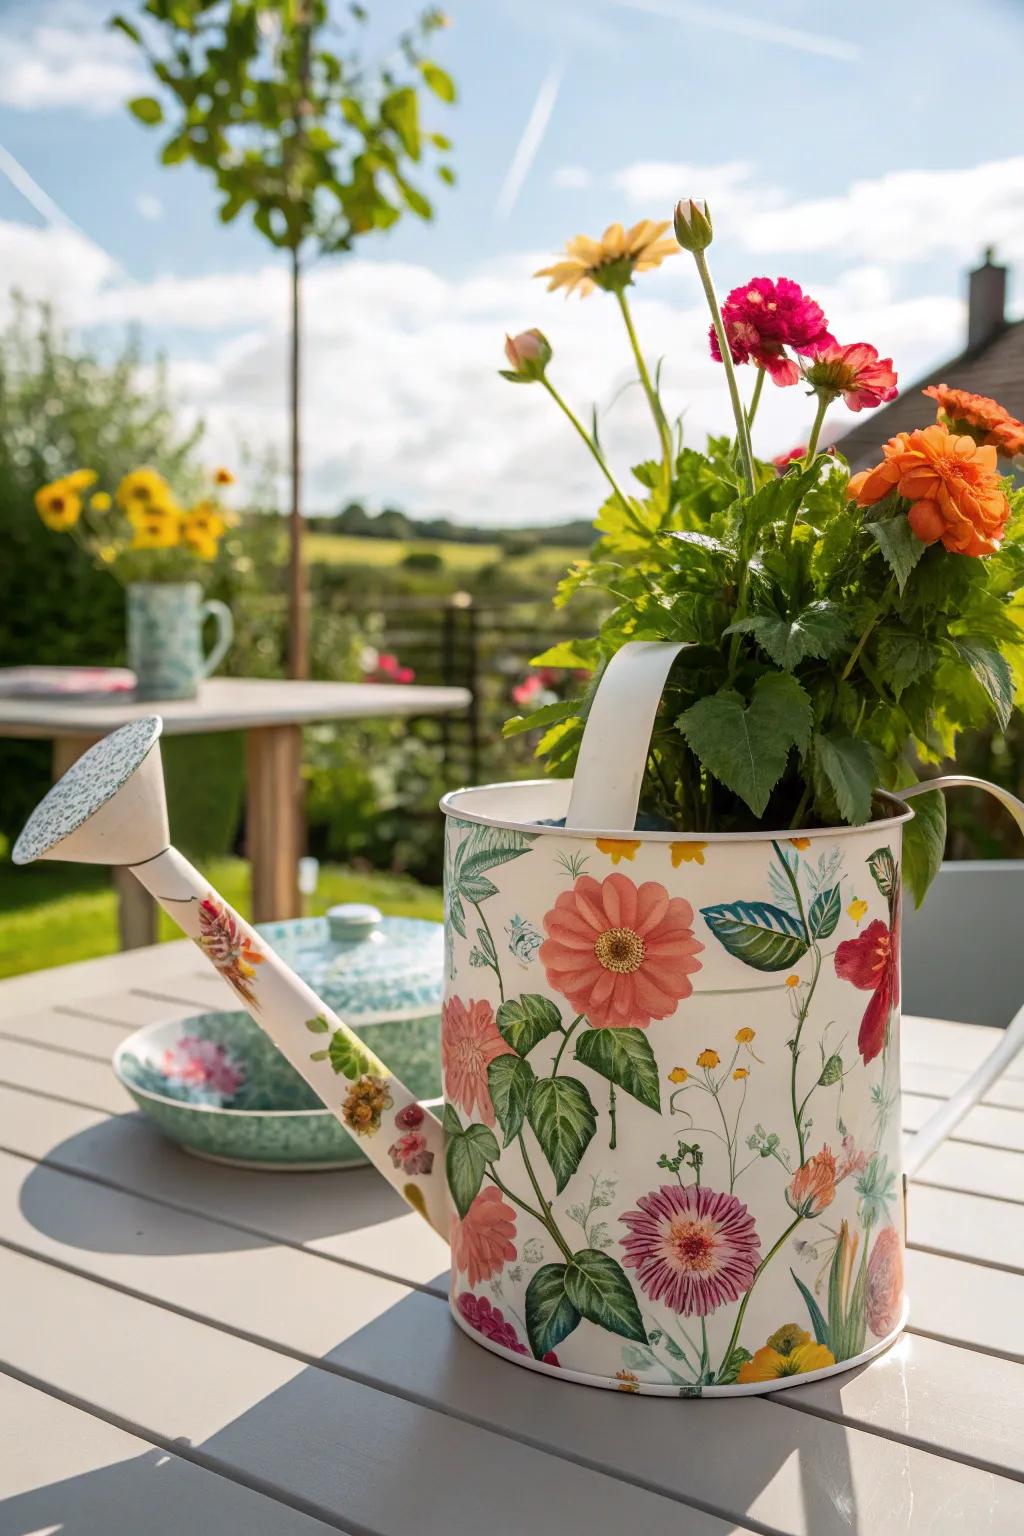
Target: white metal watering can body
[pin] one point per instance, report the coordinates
(641, 1149)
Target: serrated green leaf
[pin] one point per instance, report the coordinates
(509, 1080)
(900, 546)
(819, 631)
(904, 658)
(465, 1159)
(747, 746)
(488, 847)
(550, 1315)
(924, 843)
(824, 913)
(991, 672)
(597, 1286)
(624, 1057)
(763, 936)
(524, 1021)
(349, 1058)
(564, 1120)
(849, 769)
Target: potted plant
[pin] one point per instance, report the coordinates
(157, 549)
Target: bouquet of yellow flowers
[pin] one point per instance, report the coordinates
(141, 532)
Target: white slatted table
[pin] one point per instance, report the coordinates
(190, 1349)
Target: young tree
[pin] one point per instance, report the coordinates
(273, 98)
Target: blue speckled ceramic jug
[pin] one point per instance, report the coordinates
(165, 638)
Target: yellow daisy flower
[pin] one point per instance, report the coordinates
(857, 909)
(617, 848)
(101, 501)
(610, 262)
(678, 1075)
(199, 543)
(740, 1074)
(58, 505)
(687, 853)
(205, 517)
(708, 1058)
(80, 479)
(745, 1035)
(141, 488)
(161, 530)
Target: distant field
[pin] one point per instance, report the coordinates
(345, 549)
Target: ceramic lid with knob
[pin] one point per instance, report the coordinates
(370, 969)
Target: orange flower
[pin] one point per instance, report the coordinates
(984, 419)
(800, 842)
(951, 483)
(813, 1186)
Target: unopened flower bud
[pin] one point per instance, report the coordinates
(693, 224)
(529, 354)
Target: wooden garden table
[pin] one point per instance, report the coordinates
(189, 1349)
(271, 713)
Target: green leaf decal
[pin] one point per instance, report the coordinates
(818, 630)
(900, 546)
(991, 672)
(564, 1120)
(761, 935)
(747, 746)
(524, 1021)
(487, 847)
(349, 1059)
(476, 888)
(599, 1290)
(818, 1322)
(732, 1367)
(924, 843)
(824, 913)
(849, 768)
(550, 1315)
(624, 1056)
(317, 1026)
(883, 872)
(465, 1159)
(451, 1122)
(510, 1080)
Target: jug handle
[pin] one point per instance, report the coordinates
(321, 1047)
(917, 1149)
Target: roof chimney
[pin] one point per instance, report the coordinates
(986, 302)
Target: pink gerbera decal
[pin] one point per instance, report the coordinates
(469, 1043)
(693, 1249)
(762, 318)
(871, 962)
(482, 1241)
(623, 954)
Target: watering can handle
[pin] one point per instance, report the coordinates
(617, 737)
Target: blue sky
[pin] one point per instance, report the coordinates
(869, 152)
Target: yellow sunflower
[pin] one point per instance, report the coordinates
(610, 262)
(206, 518)
(159, 529)
(59, 505)
(142, 488)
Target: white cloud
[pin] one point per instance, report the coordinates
(572, 178)
(57, 265)
(666, 181)
(149, 207)
(69, 58)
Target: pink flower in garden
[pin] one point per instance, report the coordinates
(622, 954)
(871, 961)
(693, 1249)
(856, 372)
(884, 1294)
(762, 318)
(389, 670)
(782, 461)
(410, 1118)
(482, 1241)
(469, 1043)
(203, 1064)
(410, 1153)
(490, 1321)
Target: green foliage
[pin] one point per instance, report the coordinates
(272, 99)
(524, 1021)
(746, 745)
(550, 1315)
(597, 1287)
(564, 1120)
(624, 1057)
(760, 934)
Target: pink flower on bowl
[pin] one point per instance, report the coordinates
(203, 1064)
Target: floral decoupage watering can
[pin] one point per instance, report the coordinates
(670, 1154)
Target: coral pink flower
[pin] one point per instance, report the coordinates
(622, 954)
(884, 1293)
(813, 1186)
(871, 961)
(410, 1153)
(856, 372)
(482, 1241)
(692, 1249)
(469, 1043)
(491, 1322)
(762, 318)
(203, 1064)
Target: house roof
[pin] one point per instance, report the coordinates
(996, 369)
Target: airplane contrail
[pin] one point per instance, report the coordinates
(39, 199)
(529, 143)
(747, 26)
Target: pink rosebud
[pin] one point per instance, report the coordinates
(529, 354)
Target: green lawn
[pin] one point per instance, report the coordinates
(52, 914)
(346, 549)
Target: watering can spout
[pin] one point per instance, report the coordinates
(110, 808)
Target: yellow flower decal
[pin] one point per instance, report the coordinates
(678, 1075)
(792, 981)
(740, 1074)
(628, 1381)
(617, 848)
(769, 1364)
(857, 909)
(744, 1036)
(708, 1059)
(687, 853)
(801, 843)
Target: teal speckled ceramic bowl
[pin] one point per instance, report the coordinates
(216, 1085)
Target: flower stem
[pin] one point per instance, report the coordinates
(549, 1220)
(824, 401)
(743, 1304)
(876, 614)
(566, 1037)
(596, 453)
(664, 432)
(494, 947)
(612, 1140)
(755, 399)
(742, 432)
(801, 1020)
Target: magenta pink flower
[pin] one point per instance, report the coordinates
(410, 1118)
(203, 1064)
(491, 1322)
(856, 372)
(762, 318)
(693, 1249)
